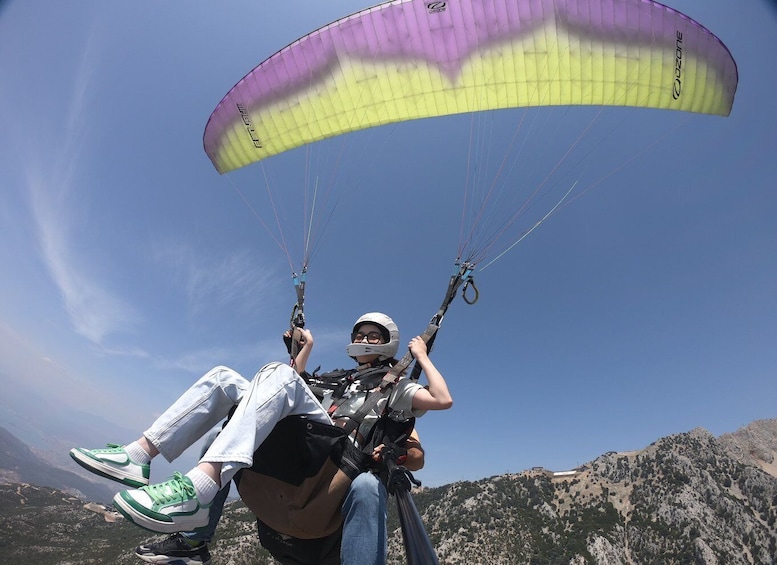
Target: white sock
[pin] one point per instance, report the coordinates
(205, 487)
(137, 453)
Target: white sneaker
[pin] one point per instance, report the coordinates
(112, 463)
(167, 507)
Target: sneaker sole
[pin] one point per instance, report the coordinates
(99, 468)
(181, 524)
(164, 559)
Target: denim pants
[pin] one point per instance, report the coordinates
(364, 522)
(275, 392)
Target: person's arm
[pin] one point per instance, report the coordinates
(436, 396)
(414, 459)
(415, 453)
(305, 340)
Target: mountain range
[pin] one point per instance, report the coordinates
(20, 464)
(689, 498)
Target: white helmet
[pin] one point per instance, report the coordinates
(390, 332)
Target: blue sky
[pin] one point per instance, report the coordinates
(646, 307)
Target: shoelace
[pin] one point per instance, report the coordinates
(177, 489)
(110, 448)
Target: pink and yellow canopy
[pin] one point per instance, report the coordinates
(410, 59)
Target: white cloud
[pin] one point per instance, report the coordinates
(94, 310)
(231, 279)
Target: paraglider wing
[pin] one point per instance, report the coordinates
(410, 59)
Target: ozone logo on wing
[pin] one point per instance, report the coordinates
(249, 125)
(436, 7)
(678, 66)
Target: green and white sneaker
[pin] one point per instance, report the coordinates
(168, 507)
(112, 463)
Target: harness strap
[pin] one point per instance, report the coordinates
(297, 319)
(338, 381)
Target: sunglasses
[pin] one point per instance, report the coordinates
(372, 337)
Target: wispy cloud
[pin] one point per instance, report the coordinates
(216, 280)
(329, 348)
(243, 356)
(94, 309)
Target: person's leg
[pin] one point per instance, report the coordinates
(206, 534)
(364, 522)
(276, 392)
(183, 502)
(187, 547)
(203, 405)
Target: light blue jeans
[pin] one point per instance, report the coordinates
(275, 392)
